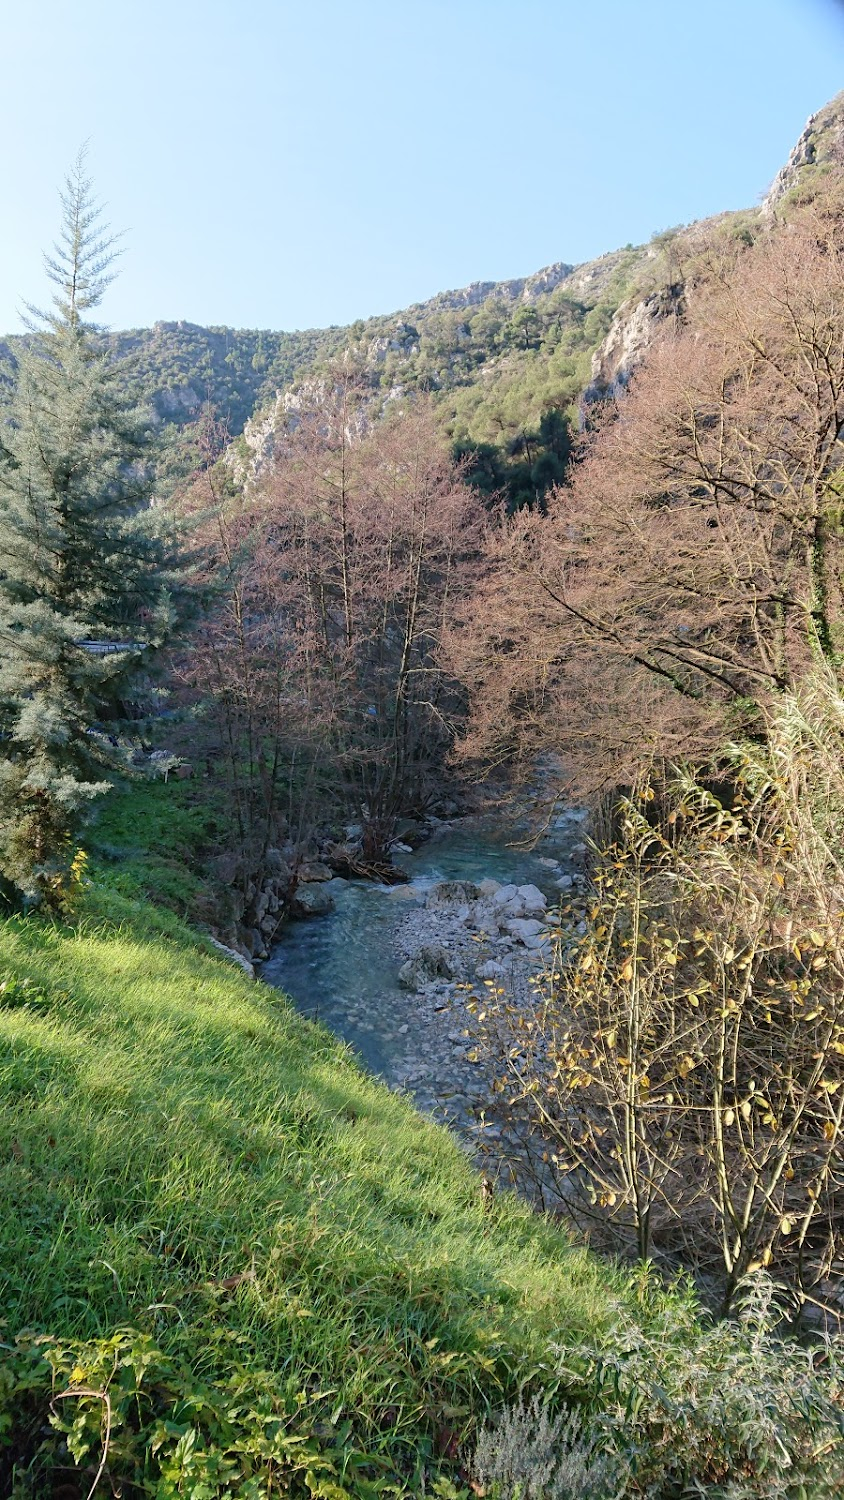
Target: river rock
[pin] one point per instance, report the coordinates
(489, 887)
(481, 917)
(489, 970)
(504, 894)
(444, 807)
(403, 893)
(312, 901)
(226, 867)
(518, 901)
(523, 928)
(428, 963)
(253, 941)
(411, 831)
(452, 893)
(233, 956)
(570, 817)
(276, 866)
(313, 871)
(532, 901)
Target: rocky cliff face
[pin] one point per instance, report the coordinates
(638, 321)
(264, 434)
(633, 330)
(521, 289)
(820, 146)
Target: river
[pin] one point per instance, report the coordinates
(342, 968)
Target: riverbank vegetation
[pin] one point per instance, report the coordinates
(321, 659)
(231, 1262)
(674, 625)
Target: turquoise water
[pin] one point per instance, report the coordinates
(341, 969)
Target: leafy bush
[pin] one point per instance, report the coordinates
(120, 1410)
(667, 1411)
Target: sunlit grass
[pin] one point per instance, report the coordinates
(181, 1153)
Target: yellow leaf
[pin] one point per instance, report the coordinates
(786, 1225)
(829, 1130)
(729, 1116)
(627, 971)
(745, 1109)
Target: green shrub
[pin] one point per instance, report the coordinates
(731, 1411)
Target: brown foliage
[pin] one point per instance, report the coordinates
(692, 566)
(338, 577)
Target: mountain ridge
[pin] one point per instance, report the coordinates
(496, 357)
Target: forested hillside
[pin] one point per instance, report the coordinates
(498, 357)
(507, 363)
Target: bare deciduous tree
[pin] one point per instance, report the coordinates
(692, 567)
(338, 578)
(684, 1070)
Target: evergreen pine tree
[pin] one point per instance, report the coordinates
(83, 560)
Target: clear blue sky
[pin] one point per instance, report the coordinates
(284, 165)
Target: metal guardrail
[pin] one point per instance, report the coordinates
(105, 648)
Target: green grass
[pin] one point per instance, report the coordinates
(149, 839)
(182, 1155)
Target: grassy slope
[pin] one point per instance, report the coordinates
(165, 1126)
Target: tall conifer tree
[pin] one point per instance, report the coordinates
(84, 560)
